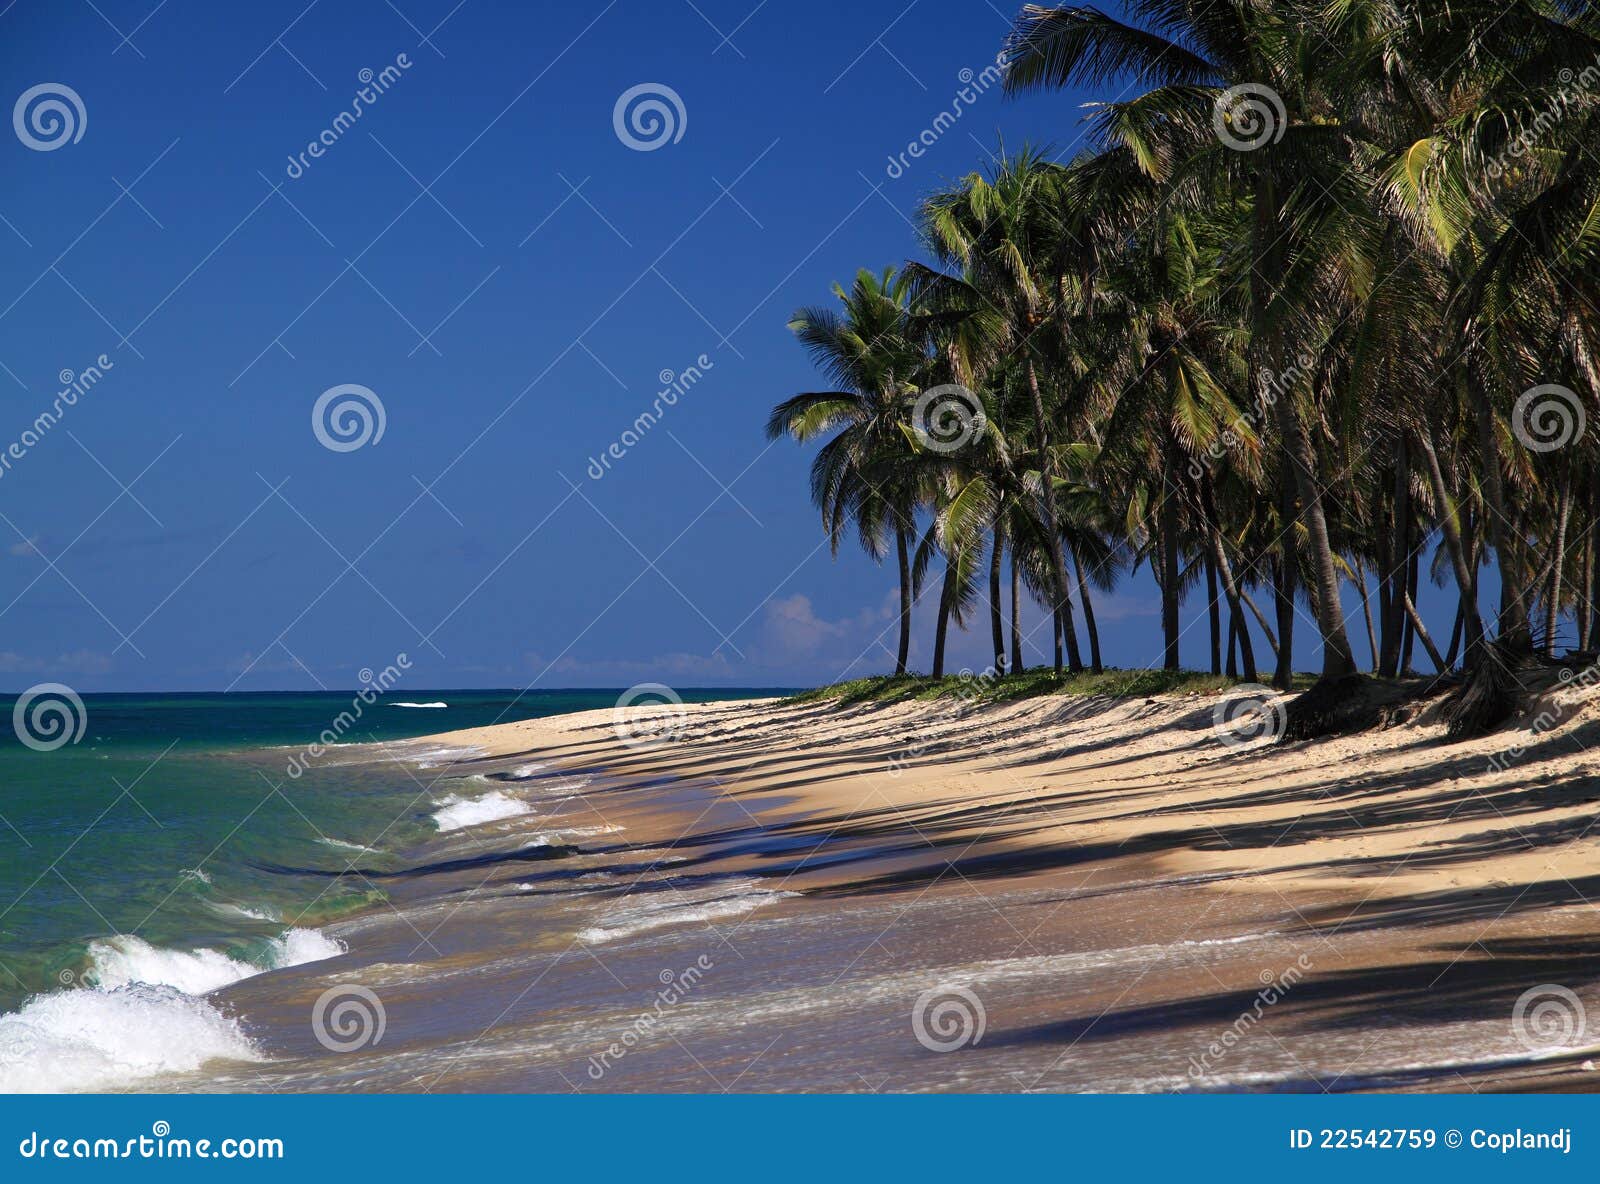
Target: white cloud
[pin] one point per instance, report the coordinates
(75, 662)
(791, 628)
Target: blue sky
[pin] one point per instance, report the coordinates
(484, 253)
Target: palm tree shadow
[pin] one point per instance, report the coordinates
(1481, 981)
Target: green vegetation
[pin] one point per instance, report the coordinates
(1317, 302)
(976, 688)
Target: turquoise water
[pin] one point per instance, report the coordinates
(161, 822)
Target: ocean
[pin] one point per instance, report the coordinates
(170, 852)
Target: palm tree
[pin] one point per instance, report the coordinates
(1004, 233)
(1299, 183)
(864, 474)
(1277, 328)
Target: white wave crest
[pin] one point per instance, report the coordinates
(731, 899)
(342, 845)
(429, 706)
(126, 960)
(567, 785)
(553, 838)
(227, 908)
(93, 1039)
(455, 812)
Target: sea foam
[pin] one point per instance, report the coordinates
(95, 1039)
(125, 960)
(711, 903)
(456, 812)
(143, 1015)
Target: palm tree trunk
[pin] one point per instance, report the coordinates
(1382, 652)
(1552, 603)
(1213, 616)
(1047, 500)
(946, 597)
(1472, 631)
(1593, 589)
(1514, 629)
(1450, 527)
(1016, 616)
(1366, 611)
(1169, 556)
(1088, 613)
(902, 547)
(1419, 630)
(1224, 569)
(1233, 645)
(1580, 608)
(1406, 592)
(996, 625)
(1336, 659)
(1456, 630)
(1392, 577)
(1283, 587)
(1261, 619)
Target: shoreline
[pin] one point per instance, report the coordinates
(1089, 894)
(1390, 858)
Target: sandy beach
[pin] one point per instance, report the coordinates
(1055, 894)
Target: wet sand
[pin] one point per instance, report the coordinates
(1057, 894)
